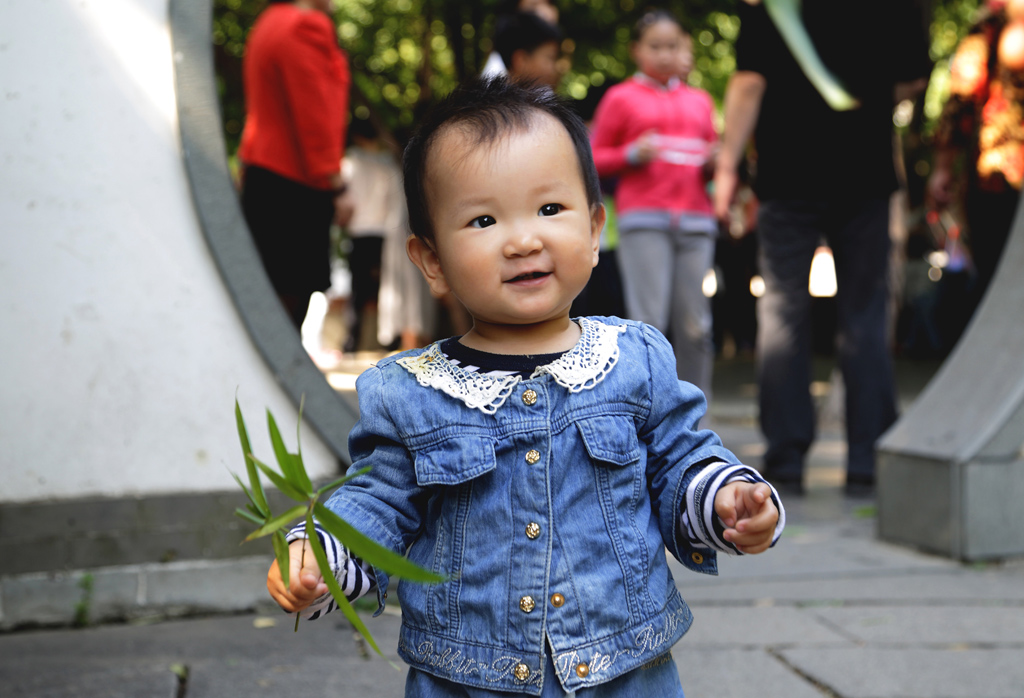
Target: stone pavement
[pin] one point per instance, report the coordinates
(831, 611)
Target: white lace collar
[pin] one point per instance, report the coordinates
(580, 368)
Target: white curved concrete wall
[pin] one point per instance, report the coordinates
(120, 349)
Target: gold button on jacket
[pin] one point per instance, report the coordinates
(532, 530)
(530, 398)
(526, 604)
(582, 670)
(532, 456)
(522, 672)
(557, 600)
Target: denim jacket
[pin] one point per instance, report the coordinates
(548, 502)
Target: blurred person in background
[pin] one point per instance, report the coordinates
(296, 80)
(656, 134)
(388, 293)
(530, 47)
(979, 141)
(822, 173)
(374, 186)
(545, 9)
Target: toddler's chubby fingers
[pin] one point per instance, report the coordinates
(303, 589)
(304, 586)
(764, 516)
(753, 533)
(752, 539)
(725, 505)
(749, 543)
(308, 584)
(755, 495)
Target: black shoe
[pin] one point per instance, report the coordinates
(859, 486)
(785, 484)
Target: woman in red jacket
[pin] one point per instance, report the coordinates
(296, 81)
(655, 134)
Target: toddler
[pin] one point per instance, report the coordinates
(543, 462)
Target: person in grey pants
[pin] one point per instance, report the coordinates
(663, 259)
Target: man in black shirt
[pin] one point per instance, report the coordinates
(822, 173)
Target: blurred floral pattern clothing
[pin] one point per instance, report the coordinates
(984, 115)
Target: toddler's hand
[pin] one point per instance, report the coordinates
(306, 583)
(749, 515)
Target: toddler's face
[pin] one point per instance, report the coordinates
(514, 237)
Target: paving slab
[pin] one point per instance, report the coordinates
(913, 673)
(897, 587)
(115, 679)
(946, 625)
(746, 626)
(226, 657)
(325, 658)
(722, 673)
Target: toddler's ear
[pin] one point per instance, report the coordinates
(597, 221)
(426, 260)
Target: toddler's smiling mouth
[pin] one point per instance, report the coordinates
(528, 276)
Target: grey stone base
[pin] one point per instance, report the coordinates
(133, 592)
(167, 555)
(972, 511)
(95, 532)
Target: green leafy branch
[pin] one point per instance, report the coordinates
(293, 481)
(786, 16)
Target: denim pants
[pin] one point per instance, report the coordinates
(858, 233)
(662, 278)
(660, 679)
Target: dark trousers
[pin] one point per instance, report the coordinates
(291, 226)
(858, 233)
(364, 260)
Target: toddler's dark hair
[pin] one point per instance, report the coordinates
(488, 109)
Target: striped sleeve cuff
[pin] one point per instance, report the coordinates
(354, 576)
(701, 524)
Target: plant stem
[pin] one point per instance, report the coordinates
(302, 563)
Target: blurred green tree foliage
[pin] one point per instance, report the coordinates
(404, 53)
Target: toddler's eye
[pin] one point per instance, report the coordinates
(550, 209)
(482, 222)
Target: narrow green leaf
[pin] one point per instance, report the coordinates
(284, 485)
(370, 551)
(242, 513)
(786, 16)
(342, 480)
(257, 496)
(278, 522)
(299, 468)
(336, 592)
(253, 506)
(281, 553)
(284, 458)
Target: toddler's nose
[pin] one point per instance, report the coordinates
(521, 241)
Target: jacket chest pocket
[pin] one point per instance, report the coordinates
(610, 440)
(455, 461)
